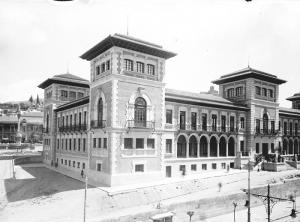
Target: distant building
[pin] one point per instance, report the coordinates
(125, 127)
(31, 127)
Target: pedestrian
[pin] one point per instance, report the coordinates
(220, 186)
(82, 173)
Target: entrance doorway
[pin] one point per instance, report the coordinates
(265, 149)
(168, 171)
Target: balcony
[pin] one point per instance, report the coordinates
(205, 128)
(266, 132)
(98, 124)
(140, 124)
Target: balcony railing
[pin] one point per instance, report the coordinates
(141, 124)
(268, 132)
(73, 128)
(98, 124)
(205, 128)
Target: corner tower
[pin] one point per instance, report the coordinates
(258, 91)
(126, 109)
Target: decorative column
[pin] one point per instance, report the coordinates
(208, 149)
(19, 136)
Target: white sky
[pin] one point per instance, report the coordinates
(41, 38)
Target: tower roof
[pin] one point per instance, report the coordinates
(296, 96)
(248, 73)
(127, 42)
(66, 79)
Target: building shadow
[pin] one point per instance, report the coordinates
(38, 182)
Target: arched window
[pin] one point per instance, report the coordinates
(265, 123)
(203, 147)
(222, 147)
(140, 112)
(100, 112)
(181, 147)
(47, 123)
(193, 146)
(213, 146)
(231, 147)
(291, 147)
(296, 147)
(285, 145)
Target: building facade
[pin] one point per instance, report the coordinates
(123, 126)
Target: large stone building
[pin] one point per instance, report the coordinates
(125, 127)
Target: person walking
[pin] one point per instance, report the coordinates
(82, 173)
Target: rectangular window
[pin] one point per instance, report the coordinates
(97, 70)
(139, 143)
(214, 122)
(257, 147)
(66, 144)
(168, 145)
(62, 161)
(83, 165)
(285, 128)
(182, 168)
(257, 90)
(270, 92)
(72, 95)
(80, 95)
(66, 162)
(230, 93)
(272, 127)
(78, 164)
(296, 129)
(128, 65)
(257, 125)
(242, 146)
(108, 65)
(223, 165)
(64, 93)
(99, 167)
(242, 120)
(69, 163)
(94, 142)
(214, 166)
(102, 67)
(57, 144)
(204, 121)
(74, 163)
(239, 91)
(204, 166)
(139, 168)
(150, 69)
(99, 142)
(272, 148)
(194, 167)
(150, 143)
(84, 119)
(169, 116)
(79, 144)
(231, 123)
(83, 144)
(74, 144)
(128, 143)
(223, 123)
(182, 120)
(105, 143)
(70, 144)
(264, 92)
(194, 121)
(140, 67)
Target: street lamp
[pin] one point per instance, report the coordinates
(190, 213)
(234, 206)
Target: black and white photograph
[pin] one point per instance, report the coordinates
(149, 110)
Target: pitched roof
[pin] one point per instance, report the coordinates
(204, 99)
(74, 103)
(66, 79)
(128, 43)
(289, 112)
(248, 73)
(296, 96)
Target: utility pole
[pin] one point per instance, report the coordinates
(268, 198)
(249, 213)
(84, 209)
